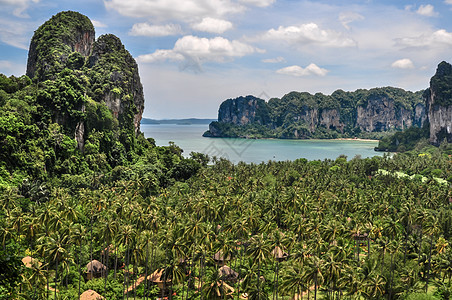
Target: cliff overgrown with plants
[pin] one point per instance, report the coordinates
(437, 129)
(299, 115)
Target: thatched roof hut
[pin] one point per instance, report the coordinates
(227, 274)
(29, 261)
(95, 269)
(279, 254)
(219, 258)
(90, 295)
(158, 278)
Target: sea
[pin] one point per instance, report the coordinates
(190, 139)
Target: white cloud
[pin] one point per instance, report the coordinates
(348, 17)
(404, 63)
(14, 33)
(259, 3)
(278, 59)
(431, 40)
(145, 29)
(426, 10)
(448, 2)
(98, 24)
(186, 10)
(212, 25)
(19, 6)
(298, 71)
(160, 56)
(194, 51)
(309, 33)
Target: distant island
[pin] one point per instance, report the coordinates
(189, 121)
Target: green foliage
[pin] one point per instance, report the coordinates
(421, 296)
(296, 115)
(11, 267)
(441, 85)
(50, 52)
(404, 140)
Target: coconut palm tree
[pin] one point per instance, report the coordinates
(77, 237)
(258, 251)
(294, 280)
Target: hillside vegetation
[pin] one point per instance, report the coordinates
(362, 113)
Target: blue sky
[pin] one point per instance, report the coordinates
(193, 54)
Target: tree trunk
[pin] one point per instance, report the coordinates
(241, 261)
(429, 263)
(48, 286)
(277, 280)
(105, 256)
(56, 278)
(116, 259)
(79, 272)
(134, 280)
(315, 285)
(91, 237)
(391, 276)
(146, 271)
(259, 279)
(202, 273)
(127, 268)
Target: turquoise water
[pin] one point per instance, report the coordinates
(189, 138)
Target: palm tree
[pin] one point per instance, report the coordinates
(258, 251)
(54, 247)
(77, 237)
(314, 273)
(374, 286)
(333, 269)
(35, 278)
(127, 237)
(108, 228)
(294, 280)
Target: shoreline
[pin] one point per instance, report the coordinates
(355, 139)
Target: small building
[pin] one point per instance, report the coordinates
(279, 254)
(95, 269)
(220, 259)
(228, 274)
(157, 278)
(90, 295)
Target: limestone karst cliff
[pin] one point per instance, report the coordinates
(244, 110)
(303, 115)
(101, 70)
(119, 85)
(55, 41)
(439, 103)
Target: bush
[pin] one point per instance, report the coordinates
(421, 296)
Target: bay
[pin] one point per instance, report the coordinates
(189, 138)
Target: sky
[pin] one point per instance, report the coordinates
(194, 54)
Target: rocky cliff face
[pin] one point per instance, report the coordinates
(243, 111)
(381, 114)
(301, 115)
(439, 103)
(124, 94)
(331, 119)
(67, 40)
(55, 40)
